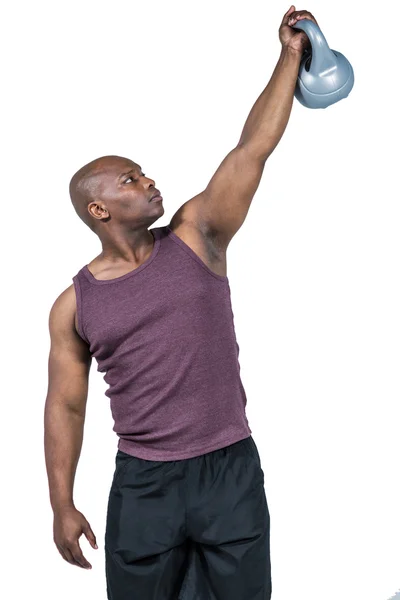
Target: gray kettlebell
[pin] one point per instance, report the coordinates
(325, 75)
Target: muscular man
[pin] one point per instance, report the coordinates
(187, 513)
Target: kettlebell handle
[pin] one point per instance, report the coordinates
(323, 59)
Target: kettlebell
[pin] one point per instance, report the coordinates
(325, 76)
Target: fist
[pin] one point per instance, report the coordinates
(291, 38)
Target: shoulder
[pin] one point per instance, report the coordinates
(69, 356)
(63, 310)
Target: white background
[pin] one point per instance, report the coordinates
(314, 270)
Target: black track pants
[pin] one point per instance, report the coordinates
(191, 529)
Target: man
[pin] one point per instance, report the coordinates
(187, 514)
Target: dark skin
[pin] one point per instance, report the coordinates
(120, 213)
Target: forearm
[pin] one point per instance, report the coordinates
(63, 436)
(269, 116)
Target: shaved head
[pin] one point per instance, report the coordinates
(87, 183)
(113, 196)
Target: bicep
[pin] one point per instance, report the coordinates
(224, 204)
(69, 357)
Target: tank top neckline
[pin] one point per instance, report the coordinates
(90, 277)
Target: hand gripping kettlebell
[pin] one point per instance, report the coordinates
(325, 76)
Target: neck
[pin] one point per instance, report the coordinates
(126, 246)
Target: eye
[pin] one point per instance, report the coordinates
(133, 179)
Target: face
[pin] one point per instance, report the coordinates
(124, 192)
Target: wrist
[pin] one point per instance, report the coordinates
(62, 506)
(288, 51)
(62, 511)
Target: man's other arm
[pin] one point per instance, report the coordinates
(64, 416)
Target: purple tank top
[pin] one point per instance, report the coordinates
(164, 337)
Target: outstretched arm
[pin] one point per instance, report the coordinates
(270, 114)
(222, 207)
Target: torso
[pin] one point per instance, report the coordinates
(213, 255)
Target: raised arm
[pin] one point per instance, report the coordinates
(64, 416)
(222, 207)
